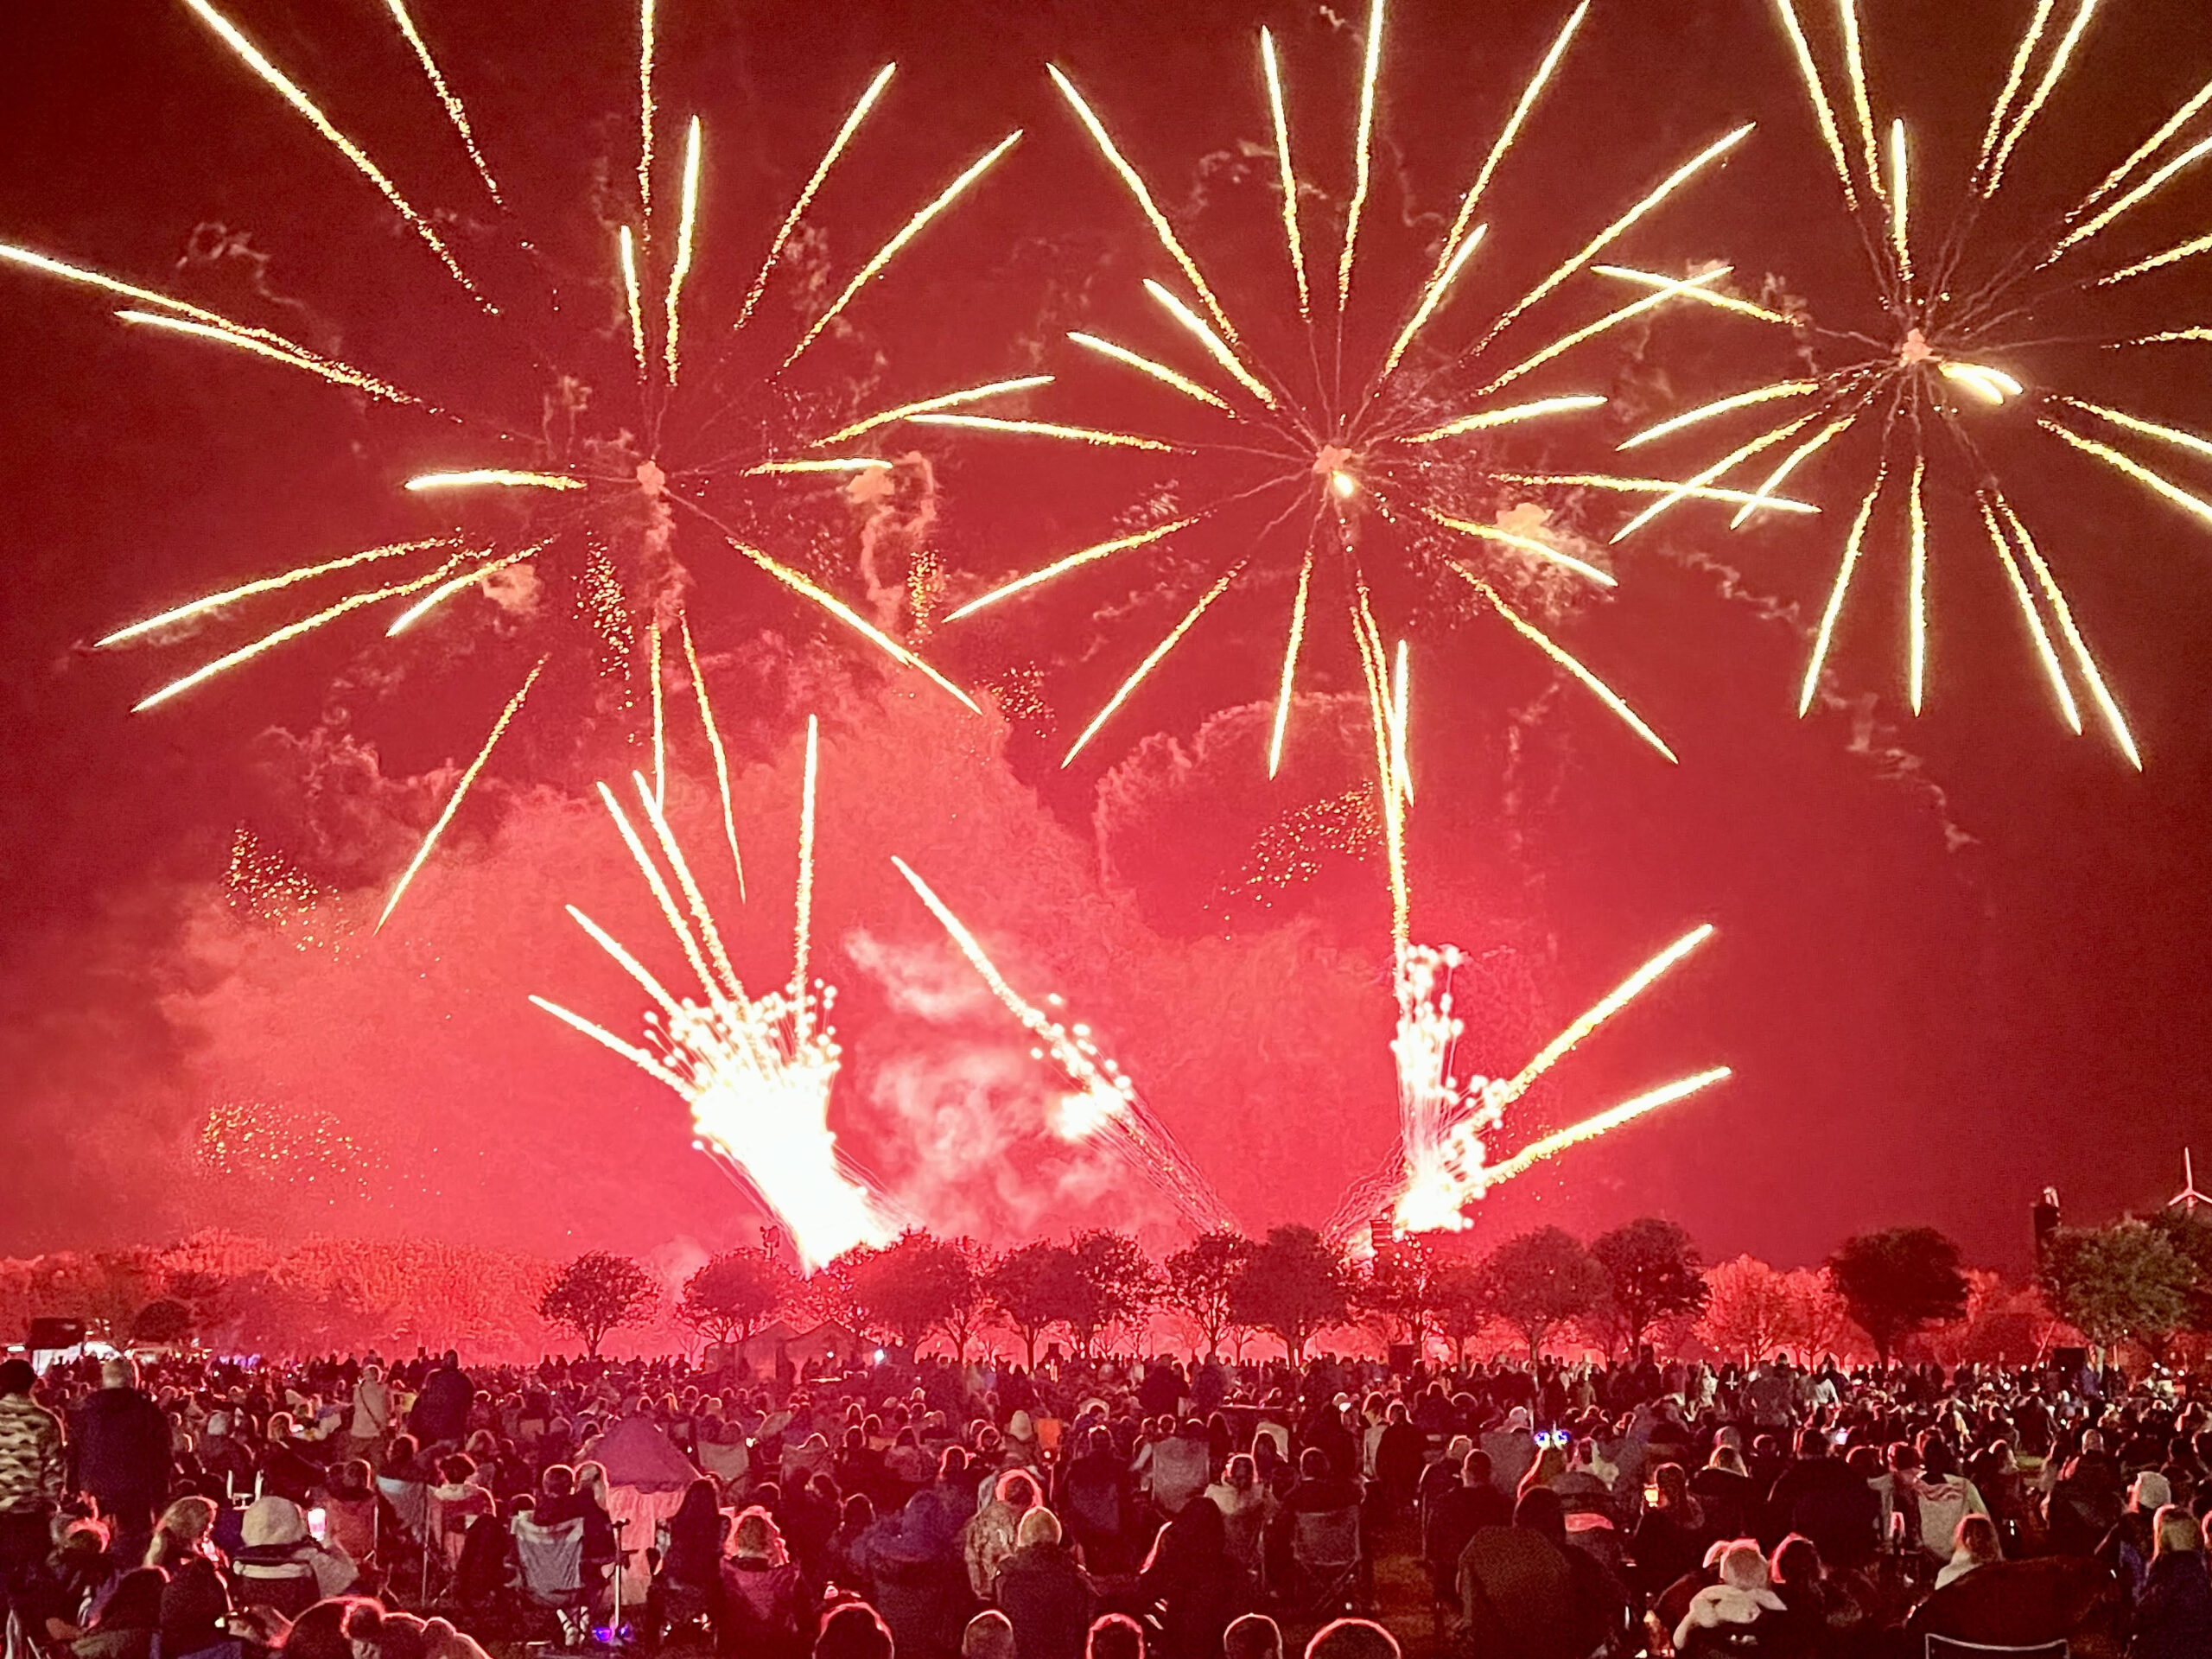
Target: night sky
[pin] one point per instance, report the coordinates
(1959, 956)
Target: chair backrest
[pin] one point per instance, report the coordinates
(552, 1560)
(410, 1502)
(1326, 1538)
(1949, 1647)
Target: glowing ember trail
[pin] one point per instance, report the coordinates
(715, 746)
(755, 1072)
(1968, 326)
(459, 794)
(1106, 1104)
(1340, 462)
(265, 585)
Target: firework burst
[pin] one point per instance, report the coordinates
(1981, 317)
(660, 421)
(1322, 460)
(756, 1070)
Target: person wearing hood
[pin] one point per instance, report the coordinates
(441, 1414)
(1719, 1615)
(280, 1565)
(992, 1535)
(921, 1588)
(1511, 1451)
(1190, 1578)
(1047, 1598)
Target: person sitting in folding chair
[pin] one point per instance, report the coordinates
(280, 1565)
(552, 1570)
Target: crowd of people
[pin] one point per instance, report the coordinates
(355, 1509)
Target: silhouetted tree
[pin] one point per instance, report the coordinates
(1897, 1280)
(1462, 1306)
(1652, 1273)
(734, 1296)
(1032, 1288)
(1293, 1286)
(2126, 1282)
(1397, 1295)
(163, 1320)
(1539, 1280)
(1201, 1283)
(910, 1287)
(1115, 1284)
(597, 1292)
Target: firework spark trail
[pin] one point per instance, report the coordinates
(715, 746)
(1291, 644)
(791, 220)
(1363, 158)
(456, 111)
(756, 1074)
(1689, 288)
(452, 585)
(1216, 346)
(931, 406)
(2059, 59)
(1512, 415)
(702, 916)
(1831, 134)
(1288, 176)
(1551, 648)
(2150, 147)
(459, 794)
(1504, 1094)
(275, 78)
(645, 121)
(266, 585)
(1791, 462)
(823, 464)
(1704, 479)
(1916, 586)
(1506, 136)
(1719, 406)
(2172, 255)
(659, 716)
(1152, 660)
(844, 613)
(803, 925)
(685, 233)
(1130, 177)
(1521, 1161)
(1693, 289)
(494, 478)
(339, 373)
(2084, 663)
(1159, 371)
(1844, 570)
(2045, 651)
(1862, 106)
(274, 346)
(1654, 487)
(2128, 203)
(2136, 423)
(292, 630)
(1432, 297)
(1528, 544)
(2132, 468)
(633, 295)
(1074, 560)
(1050, 429)
(906, 233)
(1110, 1099)
(1620, 228)
(1900, 204)
(2015, 78)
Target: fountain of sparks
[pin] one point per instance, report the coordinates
(1105, 1105)
(756, 1071)
(533, 492)
(1441, 1163)
(1329, 453)
(1961, 354)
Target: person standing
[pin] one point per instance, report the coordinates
(121, 1447)
(371, 1414)
(31, 1481)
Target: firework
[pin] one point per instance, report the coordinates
(285, 1147)
(597, 507)
(755, 1071)
(1340, 451)
(1981, 320)
(1105, 1104)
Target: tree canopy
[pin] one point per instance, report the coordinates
(1653, 1272)
(1897, 1281)
(597, 1292)
(1539, 1280)
(1293, 1285)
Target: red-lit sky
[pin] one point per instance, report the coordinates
(1959, 956)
